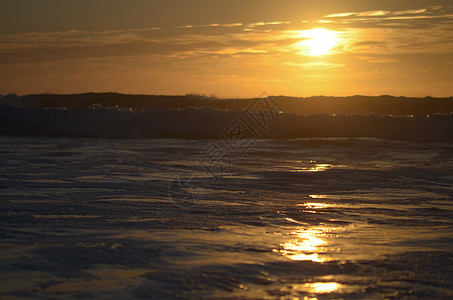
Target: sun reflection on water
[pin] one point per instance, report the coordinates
(308, 257)
(306, 246)
(316, 288)
(322, 287)
(314, 167)
(320, 167)
(313, 205)
(318, 196)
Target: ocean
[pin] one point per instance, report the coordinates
(110, 203)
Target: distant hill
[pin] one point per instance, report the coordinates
(361, 105)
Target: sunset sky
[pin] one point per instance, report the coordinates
(227, 48)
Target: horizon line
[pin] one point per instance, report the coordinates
(213, 96)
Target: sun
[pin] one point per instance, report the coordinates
(317, 41)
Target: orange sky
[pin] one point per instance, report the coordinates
(294, 48)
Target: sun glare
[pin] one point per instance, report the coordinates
(317, 41)
(306, 246)
(323, 287)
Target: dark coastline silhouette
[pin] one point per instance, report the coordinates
(363, 105)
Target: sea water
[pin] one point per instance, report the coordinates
(307, 218)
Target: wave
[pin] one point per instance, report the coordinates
(114, 122)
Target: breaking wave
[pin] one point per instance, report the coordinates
(113, 122)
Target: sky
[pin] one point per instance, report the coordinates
(227, 48)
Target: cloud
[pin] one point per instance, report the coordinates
(73, 37)
(267, 23)
(376, 13)
(409, 12)
(256, 24)
(75, 45)
(341, 15)
(426, 18)
(412, 17)
(370, 17)
(362, 33)
(185, 27)
(325, 21)
(395, 41)
(277, 23)
(232, 25)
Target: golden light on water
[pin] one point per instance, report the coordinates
(320, 167)
(313, 205)
(317, 41)
(323, 287)
(313, 167)
(317, 288)
(306, 246)
(317, 196)
(310, 257)
(317, 205)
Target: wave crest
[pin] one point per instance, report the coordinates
(210, 123)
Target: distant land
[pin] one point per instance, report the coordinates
(358, 105)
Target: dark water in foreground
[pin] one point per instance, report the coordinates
(189, 219)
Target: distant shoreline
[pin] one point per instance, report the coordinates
(358, 104)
